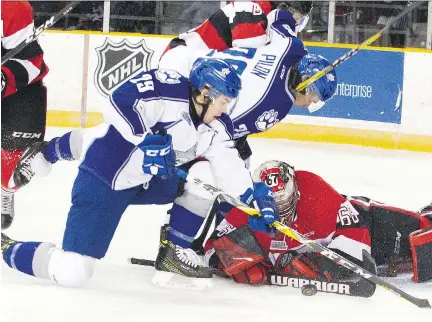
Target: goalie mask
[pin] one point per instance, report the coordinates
(279, 176)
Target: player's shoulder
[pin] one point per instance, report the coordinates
(157, 84)
(308, 178)
(307, 175)
(171, 85)
(298, 44)
(16, 10)
(254, 7)
(16, 6)
(309, 182)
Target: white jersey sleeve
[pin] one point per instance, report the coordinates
(229, 170)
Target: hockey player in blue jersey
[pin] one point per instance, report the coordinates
(154, 121)
(271, 75)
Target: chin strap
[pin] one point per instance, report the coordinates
(204, 111)
(293, 79)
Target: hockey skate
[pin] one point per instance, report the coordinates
(180, 268)
(6, 242)
(7, 208)
(24, 171)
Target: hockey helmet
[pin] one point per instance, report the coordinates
(325, 87)
(216, 75)
(279, 176)
(299, 9)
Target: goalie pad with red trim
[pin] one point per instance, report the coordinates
(421, 248)
(238, 250)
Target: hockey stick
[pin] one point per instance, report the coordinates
(355, 50)
(314, 245)
(197, 244)
(49, 23)
(359, 288)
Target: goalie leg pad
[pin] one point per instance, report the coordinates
(421, 248)
(238, 250)
(255, 275)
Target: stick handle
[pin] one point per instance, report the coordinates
(355, 50)
(49, 23)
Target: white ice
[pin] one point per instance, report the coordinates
(119, 291)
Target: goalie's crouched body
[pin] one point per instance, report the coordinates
(349, 226)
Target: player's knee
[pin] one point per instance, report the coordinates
(69, 268)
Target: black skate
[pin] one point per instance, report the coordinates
(7, 208)
(6, 242)
(24, 172)
(174, 261)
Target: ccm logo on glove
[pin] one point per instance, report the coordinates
(159, 156)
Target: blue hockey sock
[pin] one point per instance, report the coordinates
(20, 256)
(59, 149)
(184, 225)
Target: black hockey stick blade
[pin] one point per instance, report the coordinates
(141, 261)
(49, 23)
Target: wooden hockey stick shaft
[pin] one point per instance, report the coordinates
(49, 23)
(355, 50)
(314, 245)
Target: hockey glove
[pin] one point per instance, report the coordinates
(264, 199)
(159, 156)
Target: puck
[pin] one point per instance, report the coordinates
(309, 290)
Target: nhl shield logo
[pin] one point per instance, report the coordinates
(117, 62)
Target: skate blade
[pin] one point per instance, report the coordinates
(176, 281)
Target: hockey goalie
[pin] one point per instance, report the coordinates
(351, 226)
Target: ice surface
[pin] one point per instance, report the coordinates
(122, 292)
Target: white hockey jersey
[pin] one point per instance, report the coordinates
(265, 98)
(147, 103)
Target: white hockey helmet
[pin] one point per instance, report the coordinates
(279, 176)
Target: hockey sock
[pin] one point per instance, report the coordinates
(9, 161)
(30, 258)
(184, 225)
(59, 149)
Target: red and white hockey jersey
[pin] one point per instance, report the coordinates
(27, 66)
(322, 214)
(238, 24)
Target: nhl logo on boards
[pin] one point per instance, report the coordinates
(117, 62)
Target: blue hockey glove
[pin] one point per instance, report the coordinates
(159, 156)
(266, 204)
